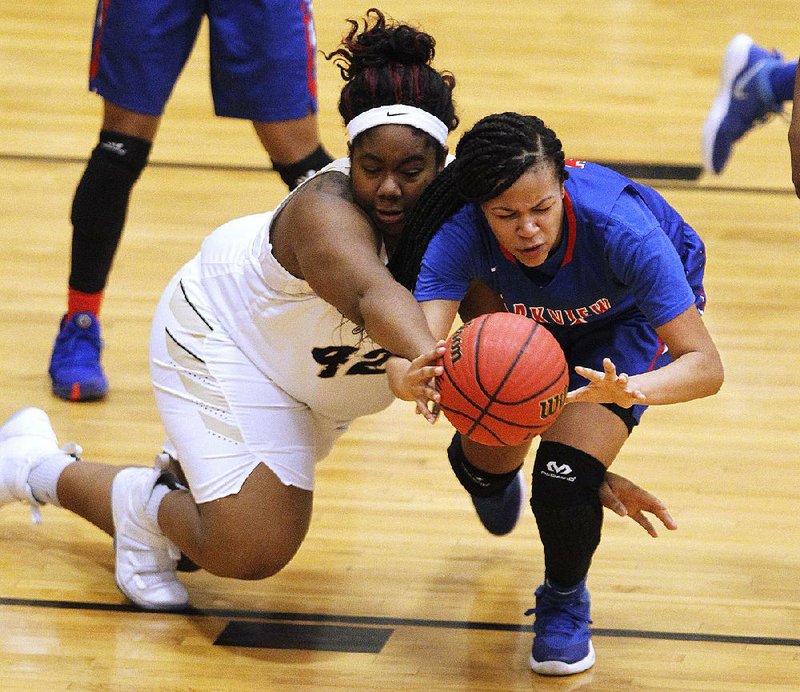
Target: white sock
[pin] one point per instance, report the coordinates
(151, 508)
(43, 478)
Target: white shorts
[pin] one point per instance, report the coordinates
(222, 415)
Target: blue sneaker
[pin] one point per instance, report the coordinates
(500, 513)
(562, 642)
(744, 99)
(75, 368)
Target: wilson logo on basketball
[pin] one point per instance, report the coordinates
(551, 406)
(455, 345)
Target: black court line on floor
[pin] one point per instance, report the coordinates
(304, 637)
(653, 171)
(363, 622)
(32, 158)
(669, 176)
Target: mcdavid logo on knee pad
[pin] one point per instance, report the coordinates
(560, 471)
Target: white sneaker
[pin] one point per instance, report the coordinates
(145, 558)
(25, 439)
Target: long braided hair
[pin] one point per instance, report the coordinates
(388, 64)
(490, 158)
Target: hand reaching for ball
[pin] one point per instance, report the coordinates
(606, 387)
(415, 380)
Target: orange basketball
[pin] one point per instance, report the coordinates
(505, 379)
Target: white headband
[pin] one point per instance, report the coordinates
(398, 115)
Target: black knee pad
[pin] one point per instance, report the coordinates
(114, 166)
(565, 476)
(295, 173)
(476, 481)
(567, 508)
(100, 206)
(128, 151)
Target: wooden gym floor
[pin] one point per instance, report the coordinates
(397, 586)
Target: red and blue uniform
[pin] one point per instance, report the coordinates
(262, 55)
(626, 264)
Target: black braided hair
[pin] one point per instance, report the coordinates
(388, 64)
(489, 159)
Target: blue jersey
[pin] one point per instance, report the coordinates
(626, 263)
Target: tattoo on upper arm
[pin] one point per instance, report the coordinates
(333, 183)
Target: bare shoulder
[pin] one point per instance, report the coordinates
(317, 220)
(317, 201)
(322, 199)
(330, 184)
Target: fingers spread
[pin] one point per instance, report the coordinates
(666, 519)
(645, 523)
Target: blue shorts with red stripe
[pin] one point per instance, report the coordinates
(630, 342)
(263, 55)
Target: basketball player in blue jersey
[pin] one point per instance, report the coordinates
(263, 69)
(268, 343)
(616, 275)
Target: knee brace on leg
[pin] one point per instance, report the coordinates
(565, 476)
(100, 206)
(293, 174)
(566, 503)
(476, 481)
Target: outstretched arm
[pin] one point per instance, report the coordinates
(323, 237)
(695, 371)
(407, 380)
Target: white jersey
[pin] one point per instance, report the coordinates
(298, 340)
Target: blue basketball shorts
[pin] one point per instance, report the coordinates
(262, 55)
